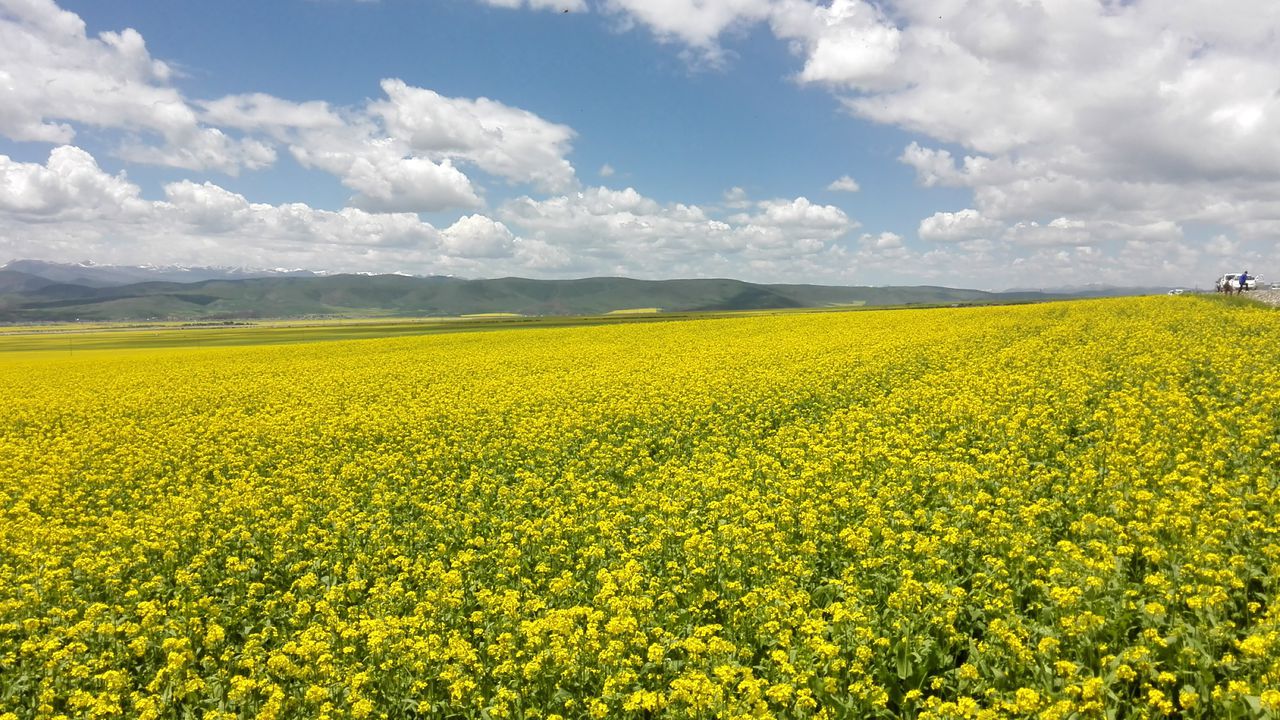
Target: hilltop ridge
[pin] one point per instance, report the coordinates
(33, 291)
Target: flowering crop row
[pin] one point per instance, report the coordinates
(1060, 511)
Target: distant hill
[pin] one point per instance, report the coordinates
(26, 296)
(14, 281)
(95, 275)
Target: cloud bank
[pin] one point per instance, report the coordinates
(1096, 141)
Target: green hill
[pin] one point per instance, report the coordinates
(28, 298)
(14, 281)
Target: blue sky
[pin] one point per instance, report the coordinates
(990, 147)
(676, 132)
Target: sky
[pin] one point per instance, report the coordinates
(970, 143)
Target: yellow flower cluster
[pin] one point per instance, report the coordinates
(1059, 511)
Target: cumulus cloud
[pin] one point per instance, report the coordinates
(69, 206)
(478, 236)
(1059, 231)
(206, 208)
(261, 112)
(736, 198)
(398, 153)
(69, 185)
(1133, 113)
(54, 76)
(1121, 115)
(932, 166)
(848, 42)
(793, 225)
(844, 183)
(389, 183)
(696, 23)
(402, 152)
(624, 231)
(1089, 135)
(884, 241)
(1120, 85)
(967, 224)
(502, 140)
(70, 202)
(200, 149)
(84, 210)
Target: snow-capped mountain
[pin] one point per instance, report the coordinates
(95, 275)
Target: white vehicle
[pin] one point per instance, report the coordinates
(1232, 280)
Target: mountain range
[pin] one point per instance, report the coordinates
(39, 291)
(91, 274)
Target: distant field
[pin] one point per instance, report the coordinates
(70, 338)
(91, 338)
(636, 311)
(1066, 510)
(79, 338)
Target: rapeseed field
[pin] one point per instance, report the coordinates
(1055, 511)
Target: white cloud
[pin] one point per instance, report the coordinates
(781, 227)
(1089, 135)
(606, 170)
(1125, 114)
(69, 207)
(199, 210)
(387, 183)
(53, 76)
(385, 174)
(557, 5)
(967, 224)
(1133, 113)
(540, 257)
(622, 231)
(502, 140)
(399, 153)
(70, 185)
(69, 204)
(844, 183)
(884, 241)
(402, 153)
(1060, 231)
(266, 113)
(200, 149)
(799, 217)
(207, 207)
(849, 42)
(933, 167)
(696, 23)
(1154, 233)
(478, 236)
(736, 198)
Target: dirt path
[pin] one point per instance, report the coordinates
(1270, 297)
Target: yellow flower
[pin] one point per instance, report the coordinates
(214, 635)
(361, 708)
(745, 516)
